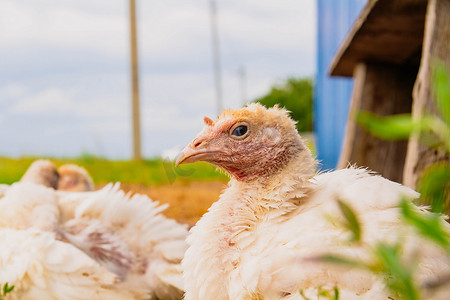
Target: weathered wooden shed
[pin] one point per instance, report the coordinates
(389, 52)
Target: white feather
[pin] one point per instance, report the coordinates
(41, 267)
(259, 238)
(135, 225)
(27, 204)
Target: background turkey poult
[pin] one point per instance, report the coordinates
(101, 244)
(74, 178)
(260, 240)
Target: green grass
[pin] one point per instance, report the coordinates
(145, 172)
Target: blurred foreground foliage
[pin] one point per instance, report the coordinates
(5, 290)
(146, 172)
(296, 95)
(388, 260)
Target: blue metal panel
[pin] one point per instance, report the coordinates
(331, 95)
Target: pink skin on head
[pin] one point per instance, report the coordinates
(263, 150)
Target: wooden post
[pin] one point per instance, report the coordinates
(383, 89)
(436, 45)
(352, 130)
(137, 155)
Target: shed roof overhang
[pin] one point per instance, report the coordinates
(387, 31)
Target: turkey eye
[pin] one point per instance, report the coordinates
(240, 130)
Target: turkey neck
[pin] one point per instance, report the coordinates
(244, 204)
(281, 191)
(231, 224)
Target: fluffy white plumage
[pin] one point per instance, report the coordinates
(128, 235)
(25, 205)
(36, 262)
(41, 267)
(258, 240)
(88, 245)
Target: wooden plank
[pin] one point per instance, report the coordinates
(383, 89)
(436, 45)
(352, 131)
(389, 31)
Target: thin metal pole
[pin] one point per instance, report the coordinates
(216, 55)
(137, 155)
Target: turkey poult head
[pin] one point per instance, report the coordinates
(42, 172)
(248, 143)
(74, 178)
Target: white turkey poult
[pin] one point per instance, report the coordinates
(87, 245)
(74, 178)
(38, 264)
(42, 172)
(127, 235)
(257, 241)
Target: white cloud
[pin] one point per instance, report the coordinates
(54, 100)
(60, 101)
(11, 91)
(167, 117)
(52, 25)
(268, 25)
(167, 29)
(120, 127)
(107, 106)
(66, 65)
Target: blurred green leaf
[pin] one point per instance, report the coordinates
(442, 132)
(6, 289)
(434, 186)
(398, 274)
(391, 127)
(303, 295)
(336, 293)
(341, 260)
(351, 221)
(434, 132)
(388, 264)
(428, 224)
(328, 294)
(441, 89)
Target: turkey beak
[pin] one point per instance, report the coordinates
(191, 154)
(197, 150)
(188, 155)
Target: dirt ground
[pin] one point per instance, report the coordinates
(187, 201)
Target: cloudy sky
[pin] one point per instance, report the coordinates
(64, 69)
